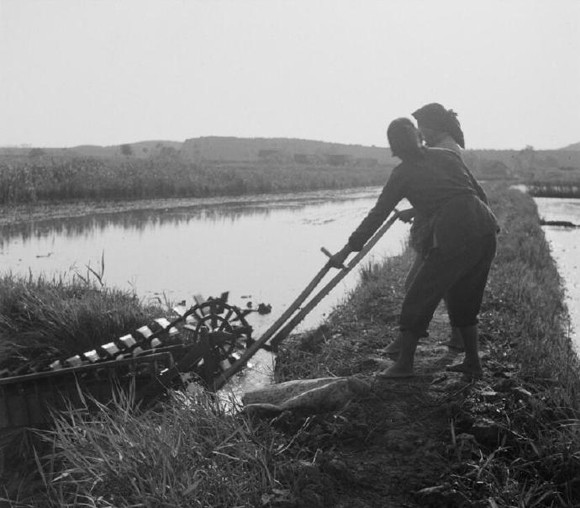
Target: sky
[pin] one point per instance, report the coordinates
(108, 72)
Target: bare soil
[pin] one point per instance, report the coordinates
(384, 450)
(417, 442)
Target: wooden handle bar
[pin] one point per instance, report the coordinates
(253, 348)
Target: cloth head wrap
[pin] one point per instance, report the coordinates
(435, 116)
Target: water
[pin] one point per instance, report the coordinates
(565, 247)
(260, 251)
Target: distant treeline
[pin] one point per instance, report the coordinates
(97, 179)
(554, 189)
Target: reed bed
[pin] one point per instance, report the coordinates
(49, 179)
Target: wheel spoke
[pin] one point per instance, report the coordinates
(213, 317)
(226, 319)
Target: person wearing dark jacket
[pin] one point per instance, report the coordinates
(439, 128)
(459, 249)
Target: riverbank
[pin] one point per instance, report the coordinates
(510, 439)
(19, 214)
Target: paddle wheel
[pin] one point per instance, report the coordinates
(197, 344)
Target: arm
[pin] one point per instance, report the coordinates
(392, 193)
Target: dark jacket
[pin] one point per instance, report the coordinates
(443, 192)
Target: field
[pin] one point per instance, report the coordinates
(237, 167)
(47, 179)
(408, 444)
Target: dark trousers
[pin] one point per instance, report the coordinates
(458, 277)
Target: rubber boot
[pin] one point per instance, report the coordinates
(403, 367)
(471, 365)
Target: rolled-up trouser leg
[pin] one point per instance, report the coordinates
(461, 275)
(464, 297)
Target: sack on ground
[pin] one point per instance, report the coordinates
(305, 395)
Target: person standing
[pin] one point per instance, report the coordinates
(439, 128)
(459, 244)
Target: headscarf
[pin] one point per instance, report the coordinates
(435, 116)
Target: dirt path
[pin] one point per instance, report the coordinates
(399, 446)
(408, 431)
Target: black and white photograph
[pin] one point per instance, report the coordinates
(289, 253)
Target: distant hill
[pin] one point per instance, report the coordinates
(140, 149)
(574, 146)
(284, 150)
(492, 164)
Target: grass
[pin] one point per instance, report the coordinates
(50, 179)
(525, 300)
(46, 318)
(190, 452)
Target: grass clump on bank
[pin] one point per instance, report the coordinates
(44, 319)
(190, 453)
(536, 458)
(524, 307)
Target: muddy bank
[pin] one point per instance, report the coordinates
(18, 214)
(509, 439)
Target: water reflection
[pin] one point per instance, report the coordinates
(565, 248)
(258, 248)
(143, 219)
(261, 252)
(140, 220)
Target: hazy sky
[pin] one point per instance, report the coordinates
(117, 71)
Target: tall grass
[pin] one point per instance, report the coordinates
(190, 453)
(46, 318)
(525, 299)
(54, 179)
